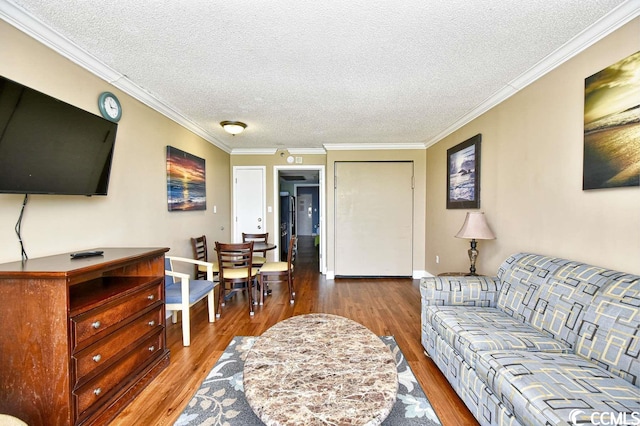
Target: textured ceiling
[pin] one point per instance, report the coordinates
(308, 74)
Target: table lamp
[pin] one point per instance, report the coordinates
(475, 227)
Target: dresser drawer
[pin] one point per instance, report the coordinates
(99, 320)
(92, 359)
(99, 390)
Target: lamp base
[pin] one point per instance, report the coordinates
(473, 255)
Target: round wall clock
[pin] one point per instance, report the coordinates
(109, 106)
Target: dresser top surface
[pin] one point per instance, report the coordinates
(64, 264)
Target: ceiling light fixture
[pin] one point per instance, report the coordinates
(233, 127)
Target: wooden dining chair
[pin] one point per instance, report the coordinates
(273, 272)
(199, 246)
(236, 271)
(257, 238)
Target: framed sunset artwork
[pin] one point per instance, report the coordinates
(186, 182)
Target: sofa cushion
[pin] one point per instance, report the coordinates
(609, 332)
(522, 276)
(463, 290)
(447, 360)
(470, 330)
(549, 293)
(553, 388)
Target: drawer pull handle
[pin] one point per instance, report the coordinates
(152, 348)
(97, 391)
(96, 324)
(151, 297)
(152, 323)
(97, 358)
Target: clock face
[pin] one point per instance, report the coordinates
(109, 106)
(112, 107)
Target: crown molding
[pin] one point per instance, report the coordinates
(308, 151)
(271, 151)
(615, 19)
(372, 146)
(28, 24)
(253, 151)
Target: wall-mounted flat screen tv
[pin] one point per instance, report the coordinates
(50, 147)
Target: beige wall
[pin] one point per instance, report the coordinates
(531, 177)
(415, 155)
(418, 158)
(135, 211)
(269, 161)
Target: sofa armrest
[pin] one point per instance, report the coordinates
(461, 291)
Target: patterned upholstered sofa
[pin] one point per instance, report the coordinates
(548, 341)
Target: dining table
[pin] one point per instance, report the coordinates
(260, 246)
(257, 246)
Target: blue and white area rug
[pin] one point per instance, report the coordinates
(220, 399)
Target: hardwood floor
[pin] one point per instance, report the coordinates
(385, 306)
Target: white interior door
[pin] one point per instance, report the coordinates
(374, 218)
(249, 204)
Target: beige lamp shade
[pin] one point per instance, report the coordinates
(475, 227)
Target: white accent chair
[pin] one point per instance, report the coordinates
(182, 292)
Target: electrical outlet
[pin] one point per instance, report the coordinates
(437, 259)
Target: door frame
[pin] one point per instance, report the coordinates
(234, 222)
(322, 208)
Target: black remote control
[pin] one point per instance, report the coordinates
(82, 254)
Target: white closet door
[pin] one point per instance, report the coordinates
(374, 218)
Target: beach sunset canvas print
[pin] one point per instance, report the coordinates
(186, 183)
(612, 126)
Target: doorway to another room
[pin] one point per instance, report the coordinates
(300, 207)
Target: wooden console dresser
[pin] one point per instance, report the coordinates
(80, 338)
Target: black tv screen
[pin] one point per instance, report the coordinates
(50, 147)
